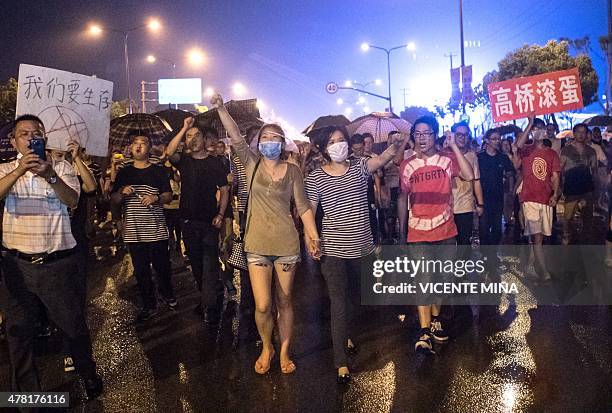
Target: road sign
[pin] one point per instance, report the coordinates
(331, 87)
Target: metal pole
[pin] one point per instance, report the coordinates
(389, 78)
(142, 96)
(174, 77)
(462, 48)
(127, 69)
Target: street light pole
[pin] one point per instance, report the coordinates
(409, 46)
(127, 69)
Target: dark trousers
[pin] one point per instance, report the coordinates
(489, 226)
(465, 226)
(342, 277)
(56, 285)
(201, 242)
(143, 255)
(173, 221)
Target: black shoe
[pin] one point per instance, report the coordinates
(344, 378)
(351, 350)
(146, 314)
(423, 344)
(436, 330)
(172, 303)
(93, 387)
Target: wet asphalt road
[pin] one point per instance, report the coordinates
(508, 359)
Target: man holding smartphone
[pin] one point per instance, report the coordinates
(40, 261)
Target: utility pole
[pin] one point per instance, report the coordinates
(405, 93)
(450, 55)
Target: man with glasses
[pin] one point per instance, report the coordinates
(540, 188)
(40, 263)
(467, 195)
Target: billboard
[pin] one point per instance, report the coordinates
(538, 95)
(179, 91)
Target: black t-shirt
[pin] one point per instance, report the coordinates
(492, 171)
(143, 224)
(200, 179)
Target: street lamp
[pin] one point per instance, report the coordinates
(152, 59)
(209, 92)
(411, 46)
(195, 56)
(339, 101)
(238, 89)
(96, 30)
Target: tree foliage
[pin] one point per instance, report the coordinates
(534, 60)
(412, 113)
(8, 101)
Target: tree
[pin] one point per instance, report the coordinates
(8, 101)
(412, 113)
(119, 108)
(534, 60)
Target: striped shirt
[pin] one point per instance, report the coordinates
(141, 223)
(35, 220)
(346, 219)
(240, 182)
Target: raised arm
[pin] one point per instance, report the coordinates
(465, 169)
(388, 155)
(523, 138)
(233, 131)
(175, 142)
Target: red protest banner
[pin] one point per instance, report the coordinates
(538, 95)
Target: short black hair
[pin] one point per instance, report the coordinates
(393, 132)
(141, 135)
(459, 124)
(28, 117)
(490, 132)
(323, 138)
(356, 139)
(368, 135)
(580, 125)
(539, 123)
(428, 120)
(597, 128)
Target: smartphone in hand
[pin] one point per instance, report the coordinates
(37, 145)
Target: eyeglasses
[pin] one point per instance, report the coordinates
(460, 135)
(423, 135)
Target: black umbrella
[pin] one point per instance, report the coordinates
(244, 113)
(599, 120)
(323, 122)
(126, 126)
(174, 117)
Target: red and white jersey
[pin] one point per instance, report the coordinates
(428, 183)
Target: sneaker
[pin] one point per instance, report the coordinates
(68, 364)
(146, 314)
(436, 330)
(423, 344)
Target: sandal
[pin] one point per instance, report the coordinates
(288, 368)
(261, 370)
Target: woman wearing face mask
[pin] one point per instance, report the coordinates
(271, 240)
(342, 189)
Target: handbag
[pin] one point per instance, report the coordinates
(237, 258)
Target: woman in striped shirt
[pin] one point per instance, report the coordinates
(342, 189)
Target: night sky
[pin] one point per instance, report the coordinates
(286, 51)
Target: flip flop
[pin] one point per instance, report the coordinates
(261, 370)
(288, 368)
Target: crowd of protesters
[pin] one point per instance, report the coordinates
(343, 194)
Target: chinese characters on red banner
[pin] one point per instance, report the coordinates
(541, 94)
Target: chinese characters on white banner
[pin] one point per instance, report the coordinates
(72, 106)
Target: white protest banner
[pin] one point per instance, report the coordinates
(72, 106)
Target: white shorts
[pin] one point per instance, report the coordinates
(538, 218)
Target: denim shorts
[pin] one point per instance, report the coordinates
(271, 259)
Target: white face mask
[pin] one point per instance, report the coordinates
(338, 152)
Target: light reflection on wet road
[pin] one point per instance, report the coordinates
(512, 359)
